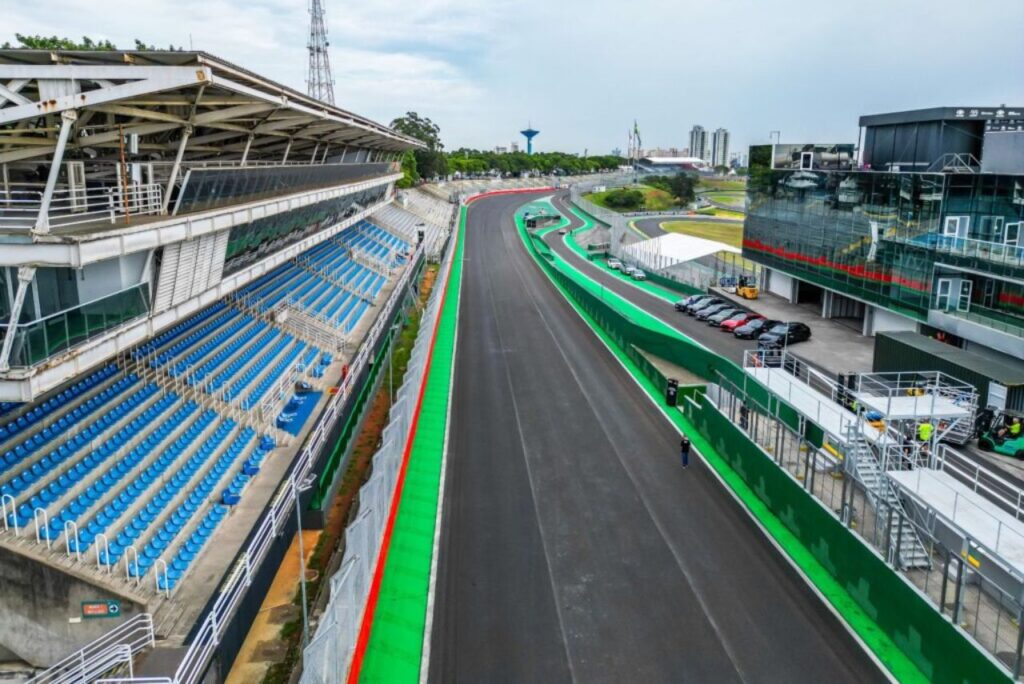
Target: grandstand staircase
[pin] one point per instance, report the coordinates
(307, 265)
(314, 329)
(882, 496)
(201, 395)
(369, 261)
(406, 236)
(321, 337)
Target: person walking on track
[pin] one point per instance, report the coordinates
(684, 450)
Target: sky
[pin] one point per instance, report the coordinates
(581, 72)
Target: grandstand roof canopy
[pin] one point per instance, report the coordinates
(156, 94)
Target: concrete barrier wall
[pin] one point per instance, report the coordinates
(41, 609)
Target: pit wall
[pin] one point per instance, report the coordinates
(930, 647)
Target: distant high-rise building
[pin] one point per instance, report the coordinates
(699, 143)
(514, 146)
(500, 149)
(720, 147)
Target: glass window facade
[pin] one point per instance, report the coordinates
(879, 236)
(37, 340)
(211, 188)
(252, 241)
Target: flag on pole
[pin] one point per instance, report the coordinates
(636, 134)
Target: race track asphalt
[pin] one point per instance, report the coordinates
(574, 547)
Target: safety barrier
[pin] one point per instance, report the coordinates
(328, 657)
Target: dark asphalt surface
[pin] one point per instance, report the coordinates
(711, 337)
(651, 227)
(574, 547)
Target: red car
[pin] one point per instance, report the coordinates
(730, 324)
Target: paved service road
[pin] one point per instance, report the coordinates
(651, 227)
(574, 547)
(711, 337)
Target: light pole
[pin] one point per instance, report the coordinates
(391, 366)
(298, 488)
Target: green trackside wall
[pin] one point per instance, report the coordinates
(932, 642)
(892, 617)
(637, 328)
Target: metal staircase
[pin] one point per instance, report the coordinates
(371, 262)
(883, 497)
(330, 275)
(322, 336)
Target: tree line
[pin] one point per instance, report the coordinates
(434, 162)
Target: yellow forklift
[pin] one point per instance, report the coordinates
(746, 287)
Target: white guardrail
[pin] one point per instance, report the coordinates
(100, 657)
(20, 207)
(115, 648)
(327, 658)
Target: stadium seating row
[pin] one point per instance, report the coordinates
(135, 472)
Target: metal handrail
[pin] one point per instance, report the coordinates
(20, 209)
(96, 658)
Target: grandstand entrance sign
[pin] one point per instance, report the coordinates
(101, 609)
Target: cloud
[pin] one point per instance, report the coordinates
(582, 71)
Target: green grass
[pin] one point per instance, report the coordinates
(728, 233)
(738, 185)
(734, 199)
(721, 213)
(654, 199)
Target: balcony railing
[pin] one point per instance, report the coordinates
(997, 252)
(990, 318)
(20, 205)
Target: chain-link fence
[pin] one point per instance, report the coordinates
(327, 657)
(909, 539)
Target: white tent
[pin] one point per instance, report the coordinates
(671, 249)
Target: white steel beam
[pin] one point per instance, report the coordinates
(25, 276)
(67, 120)
(165, 79)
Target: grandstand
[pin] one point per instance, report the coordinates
(416, 211)
(200, 266)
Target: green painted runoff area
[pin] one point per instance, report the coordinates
(902, 629)
(395, 646)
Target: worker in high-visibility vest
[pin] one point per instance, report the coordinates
(924, 432)
(1011, 429)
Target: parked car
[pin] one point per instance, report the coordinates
(738, 320)
(709, 311)
(753, 329)
(614, 264)
(637, 274)
(724, 314)
(692, 299)
(784, 334)
(693, 309)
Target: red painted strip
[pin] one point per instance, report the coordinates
(355, 668)
(515, 191)
(862, 272)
